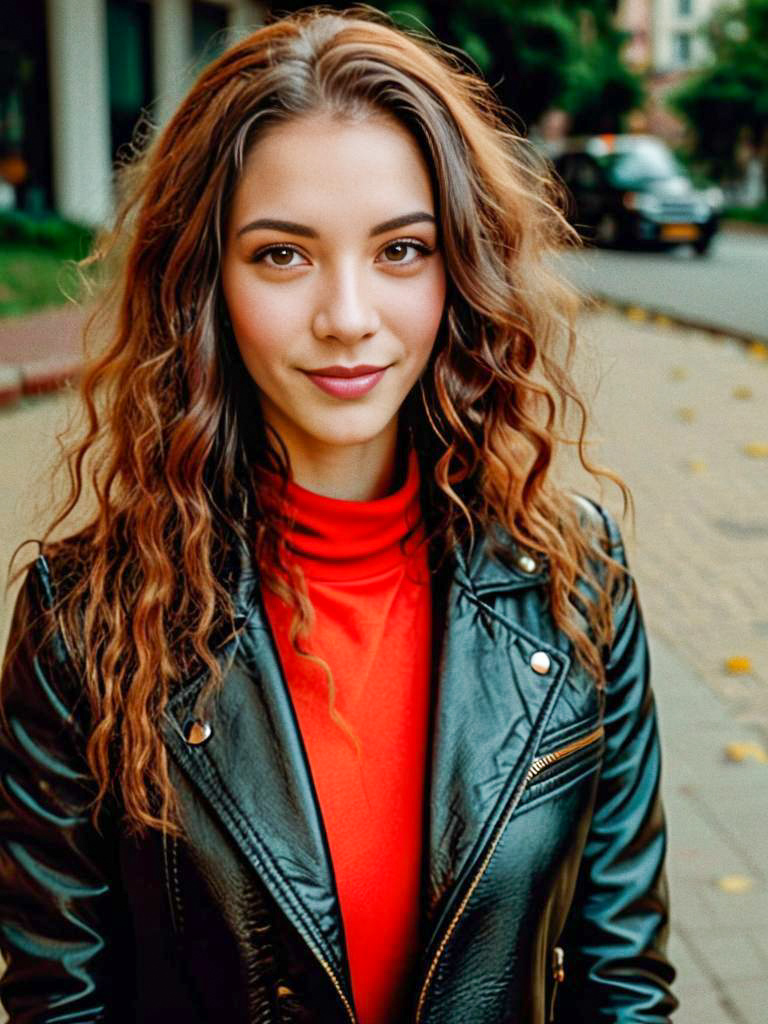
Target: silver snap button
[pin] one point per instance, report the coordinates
(541, 662)
(527, 563)
(196, 732)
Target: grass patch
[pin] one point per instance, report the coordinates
(751, 214)
(36, 261)
(32, 278)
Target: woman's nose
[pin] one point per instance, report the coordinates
(345, 309)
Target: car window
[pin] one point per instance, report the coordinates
(647, 160)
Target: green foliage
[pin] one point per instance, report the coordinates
(542, 54)
(36, 255)
(752, 214)
(32, 279)
(601, 89)
(730, 98)
(50, 233)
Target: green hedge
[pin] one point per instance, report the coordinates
(753, 214)
(48, 232)
(35, 251)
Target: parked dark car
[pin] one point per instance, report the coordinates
(630, 190)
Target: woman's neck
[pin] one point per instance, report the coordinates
(353, 472)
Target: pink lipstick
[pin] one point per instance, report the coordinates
(347, 381)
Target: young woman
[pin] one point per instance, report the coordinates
(337, 708)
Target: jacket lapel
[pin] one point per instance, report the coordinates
(245, 756)
(491, 708)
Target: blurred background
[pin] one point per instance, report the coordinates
(655, 114)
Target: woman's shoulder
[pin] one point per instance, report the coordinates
(596, 526)
(39, 663)
(599, 525)
(49, 582)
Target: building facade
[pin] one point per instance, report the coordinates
(667, 42)
(77, 75)
(666, 36)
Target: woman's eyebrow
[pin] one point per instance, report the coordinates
(401, 222)
(291, 227)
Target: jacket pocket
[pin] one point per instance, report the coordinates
(563, 767)
(551, 763)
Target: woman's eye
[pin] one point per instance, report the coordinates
(279, 256)
(396, 252)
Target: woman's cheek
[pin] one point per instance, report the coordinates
(418, 311)
(265, 321)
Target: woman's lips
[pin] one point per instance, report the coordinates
(347, 382)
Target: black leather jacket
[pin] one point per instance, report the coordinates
(545, 852)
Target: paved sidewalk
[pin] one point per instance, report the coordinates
(684, 420)
(718, 851)
(39, 352)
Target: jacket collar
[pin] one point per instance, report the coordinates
(481, 571)
(490, 709)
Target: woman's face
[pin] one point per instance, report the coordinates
(333, 280)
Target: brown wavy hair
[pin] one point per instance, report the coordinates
(172, 450)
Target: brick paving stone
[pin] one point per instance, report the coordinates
(41, 335)
(734, 950)
(700, 551)
(709, 803)
(27, 451)
(44, 348)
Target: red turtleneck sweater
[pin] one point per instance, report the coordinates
(372, 626)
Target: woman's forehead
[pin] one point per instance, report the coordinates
(303, 167)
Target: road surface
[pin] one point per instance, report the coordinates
(727, 289)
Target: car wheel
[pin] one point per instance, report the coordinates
(607, 230)
(702, 245)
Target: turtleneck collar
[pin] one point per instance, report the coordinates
(336, 540)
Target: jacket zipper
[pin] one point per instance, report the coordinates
(337, 985)
(537, 766)
(558, 976)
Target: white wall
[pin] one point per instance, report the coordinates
(82, 173)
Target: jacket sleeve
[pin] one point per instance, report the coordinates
(615, 937)
(54, 891)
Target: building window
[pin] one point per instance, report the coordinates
(129, 52)
(685, 7)
(682, 48)
(25, 156)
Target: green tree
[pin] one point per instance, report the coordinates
(729, 99)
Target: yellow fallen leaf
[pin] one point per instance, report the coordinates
(756, 449)
(697, 465)
(738, 665)
(678, 373)
(742, 392)
(637, 313)
(746, 751)
(758, 350)
(662, 320)
(687, 415)
(735, 883)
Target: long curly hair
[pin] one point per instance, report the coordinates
(171, 455)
